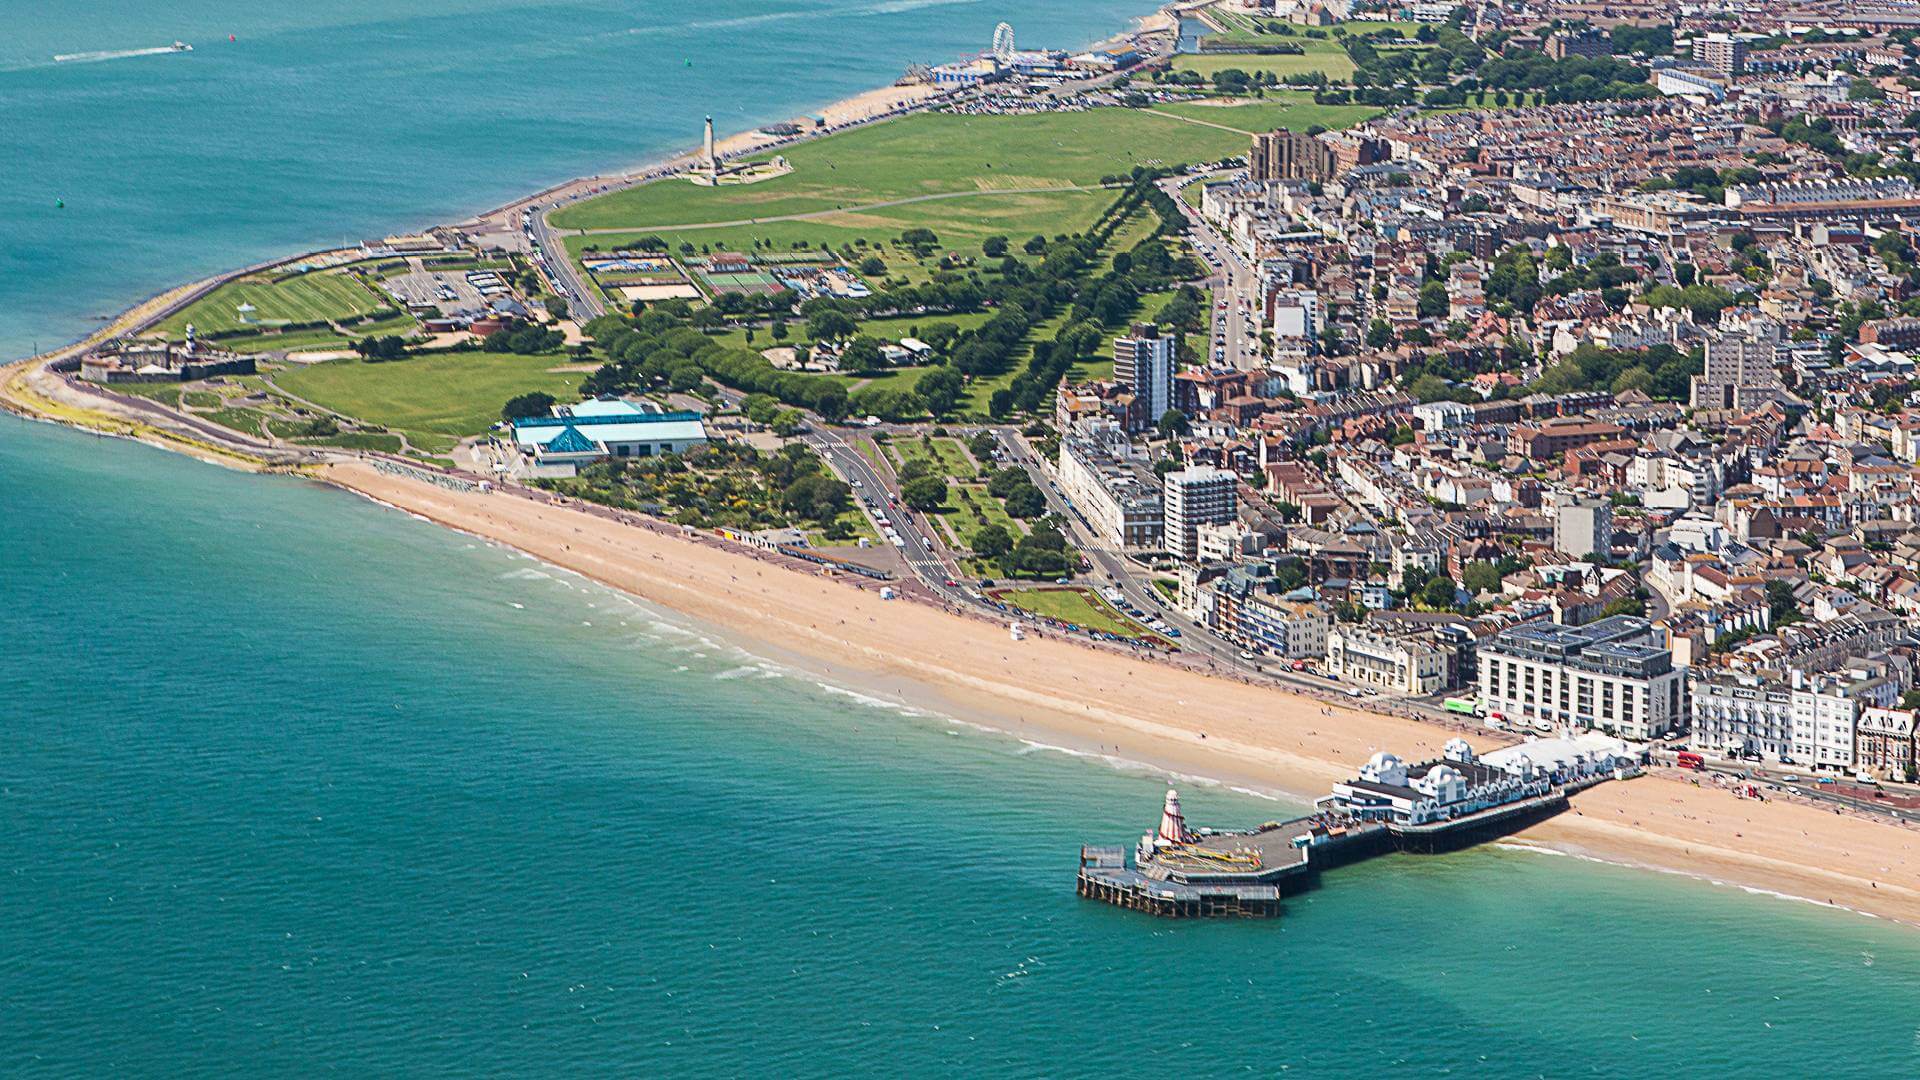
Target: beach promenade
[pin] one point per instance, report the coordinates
(1113, 704)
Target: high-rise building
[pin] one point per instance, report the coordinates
(1722, 52)
(1583, 42)
(1289, 155)
(1143, 362)
(1195, 496)
(1740, 371)
(1583, 527)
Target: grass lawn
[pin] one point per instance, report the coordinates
(1077, 606)
(922, 154)
(892, 328)
(961, 224)
(949, 458)
(247, 421)
(1322, 56)
(165, 393)
(858, 527)
(293, 341)
(437, 399)
(1295, 111)
(303, 298)
(970, 508)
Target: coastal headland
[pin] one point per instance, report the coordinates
(1047, 689)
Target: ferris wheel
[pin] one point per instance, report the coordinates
(1003, 42)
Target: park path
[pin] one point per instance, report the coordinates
(1196, 120)
(811, 214)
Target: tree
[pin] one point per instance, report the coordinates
(983, 446)
(992, 541)
(1174, 422)
(940, 388)
(831, 325)
(1481, 577)
(535, 403)
(861, 355)
(1438, 593)
(925, 494)
(994, 247)
(873, 266)
(1026, 502)
(1379, 334)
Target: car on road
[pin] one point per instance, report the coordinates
(1246, 654)
(1790, 778)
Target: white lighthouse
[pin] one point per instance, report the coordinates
(713, 160)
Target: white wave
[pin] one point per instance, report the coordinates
(1751, 890)
(97, 56)
(898, 7)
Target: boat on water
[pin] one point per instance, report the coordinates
(181, 46)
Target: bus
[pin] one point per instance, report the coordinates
(1690, 760)
(1464, 706)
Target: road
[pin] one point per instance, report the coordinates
(583, 300)
(1235, 335)
(1808, 786)
(921, 549)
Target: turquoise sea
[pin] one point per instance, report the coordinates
(292, 784)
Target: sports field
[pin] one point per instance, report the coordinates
(437, 399)
(310, 297)
(1295, 111)
(1326, 57)
(923, 154)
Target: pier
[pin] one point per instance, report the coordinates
(1437, 806)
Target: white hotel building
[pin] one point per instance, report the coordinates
(1611, 675)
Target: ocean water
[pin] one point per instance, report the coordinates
(295, 784)
(292, 784)
(328, 121)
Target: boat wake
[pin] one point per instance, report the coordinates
(119, 54)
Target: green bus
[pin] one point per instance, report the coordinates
(1467, 706)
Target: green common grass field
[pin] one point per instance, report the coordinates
(960, 224)
(307, 297)
(1326, 57)
(922, 154)
(1294, 111)
(1077, 606)
(437, 399)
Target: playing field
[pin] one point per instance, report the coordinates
(1295, 111)
(308, 297)
(1322, 56)
(923, 154)
(437, 399)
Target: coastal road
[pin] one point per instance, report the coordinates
(583, 299)
(920, 549)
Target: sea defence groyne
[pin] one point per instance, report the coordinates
(1453, 802)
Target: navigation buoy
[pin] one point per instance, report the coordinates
(689, 61)
(59, 204)
(230, 37)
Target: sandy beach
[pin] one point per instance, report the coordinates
(1059, 691)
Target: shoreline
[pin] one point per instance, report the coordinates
(1134, 712)
(1129, 710)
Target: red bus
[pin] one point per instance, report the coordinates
(1691, 760)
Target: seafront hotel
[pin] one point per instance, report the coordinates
(1611, 675)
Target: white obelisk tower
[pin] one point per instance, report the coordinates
(713, 160)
